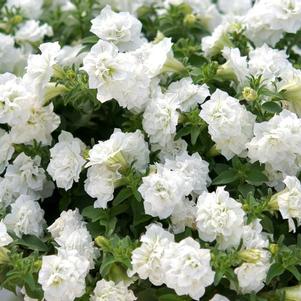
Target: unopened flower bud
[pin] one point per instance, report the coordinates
(102, 243)
(190, 19)
(250, 255)
(249, 94)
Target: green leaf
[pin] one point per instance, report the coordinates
(183, 132)
(92, 213)
(256, 176)
(245, 189)
(272, 107)
(275, 270)
(32, 243)
(173, 297)
(123, 194)
(33, 289)
(117, 210)
(226, 177)
(195, 132)
(106, 264)
(218, 277)
(148, 294)
(293, 269)
(267, 224)
(90, 40)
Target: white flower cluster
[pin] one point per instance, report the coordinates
(108, 290)
(62, 276)
(288, 201)
(66, 160)
(128, 127)
(108, 158)
(276, 143)
(165, 189)
(219, 217)
(124, 76)
(257, 259)
(230, 124)
(183, 266)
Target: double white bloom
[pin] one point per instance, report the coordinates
(66, 160)
(184, 266)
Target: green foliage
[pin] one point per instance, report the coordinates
(192, 125)
(10, 18)
(69, 26)
(116, 256)
(77, 94)
(267, 102)
(242, 172)
(19, 270)
(33, 150)
(287, 262)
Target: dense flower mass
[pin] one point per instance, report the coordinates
(150, 150)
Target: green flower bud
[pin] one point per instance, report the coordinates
(4, 258)
(102, 243)
(250, 255)
(249, 94)
(190, 20)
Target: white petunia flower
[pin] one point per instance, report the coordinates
(117, 75)
(162, 191)
(70, 233)
(66, 160)
(230, 124)
(11, 58)
(278, 143)
(121, 150)
(63, 276)
(31, 9)
(187, 268)
(249, 284)
(269, 19)
(26, 176)
(100, 184)
(70, 55)
(63, 5)
(269, 63)
(187, 94)
(155, 56)
(41, 122)
(6, 149)
(236, 67)
(218, 297)
(26, 217)
(7, 193)
(219, 217)
(5, 239)
(172, 149)
(184, 215)
(160, 120)
(31, 31)
(146, 259)
(219, 39)
(288, 201)
(64, 225)
(236, 7)
(195, 170)
(81, 241)
(109, 291)
(253, 237)
(14, 99)
(206, 11)
(122, 29)
(40, 67)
